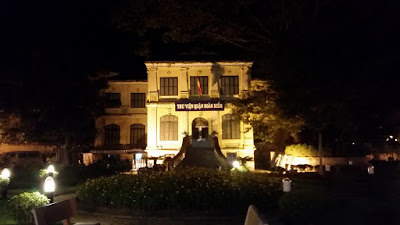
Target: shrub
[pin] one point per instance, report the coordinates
(4, 182)
(189, 189)
(21, 206)
(43, 174)
(301, 150)
(25, 177)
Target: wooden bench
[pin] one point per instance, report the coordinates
(59, 211)
(253, 217)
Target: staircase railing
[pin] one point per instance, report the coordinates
(218, 153)
(181, 154)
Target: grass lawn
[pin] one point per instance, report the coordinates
(350, 197)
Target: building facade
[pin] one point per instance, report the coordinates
(151, 118)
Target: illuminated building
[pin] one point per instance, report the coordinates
(151, 117)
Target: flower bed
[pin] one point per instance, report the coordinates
(190, 189)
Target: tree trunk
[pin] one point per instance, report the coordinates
(321, 171)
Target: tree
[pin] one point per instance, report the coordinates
(259, 109)
(313, 52)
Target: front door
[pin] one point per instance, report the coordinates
(199, 128)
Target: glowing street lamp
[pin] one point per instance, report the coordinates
(49, 188)
(6, 173)
(50, 169)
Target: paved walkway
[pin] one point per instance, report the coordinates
(111, 218)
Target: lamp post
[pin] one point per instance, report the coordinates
(49, 183)
(5, 180)
(49, 188)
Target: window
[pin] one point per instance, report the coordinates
(194, 89)
(230, 85)
(230, 127)
(138, 100)
(113, 100)
(169, 128)
(138, 135)
(111, 134)
(168, 86)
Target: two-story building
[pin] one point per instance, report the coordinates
(179, 98)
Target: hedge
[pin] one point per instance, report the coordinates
(190, 189)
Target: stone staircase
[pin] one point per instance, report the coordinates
(201, 154)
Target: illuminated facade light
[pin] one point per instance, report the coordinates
(236, 164)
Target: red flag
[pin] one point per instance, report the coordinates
(199, 86)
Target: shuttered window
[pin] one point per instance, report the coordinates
(169, 128)
(138, 100)
(111, 134)
(138, 135)
(194, 88)
(168, 86)
(230, 127)
(229, 85)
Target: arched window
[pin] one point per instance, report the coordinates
(111, 134)
(169, 128)
(138, 135)
(230, 127)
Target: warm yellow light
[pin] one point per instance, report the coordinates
(49, 184)
(50, 169)
(6, 173)
(236, 164)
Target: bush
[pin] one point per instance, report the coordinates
(43, 173)
(21, 206)
(4, 182)
(189, 189)
(71, 175)
(25, 177)
(301, 150)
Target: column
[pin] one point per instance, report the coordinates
(245, 80)
(152, 84)
(183, 81)
(152, 129)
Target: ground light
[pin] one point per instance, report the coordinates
(50, 169)
(6, 173)
(236, 164)
(49, 188)
(5, 180)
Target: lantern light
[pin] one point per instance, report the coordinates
(49, 184)
(50, 169)
(6, 173)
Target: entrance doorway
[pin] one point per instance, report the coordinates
(199, 128)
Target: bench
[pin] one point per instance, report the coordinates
(55, 212)
(253, 217)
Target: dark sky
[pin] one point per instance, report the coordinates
(46, 37)
(42, 35)
(48, 41)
